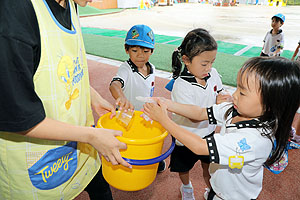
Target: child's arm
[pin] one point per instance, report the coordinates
(189, 111)
(117, 92)
(98, 103)
(277, 51)
(159, 113)
(103, 140)
(296, 52)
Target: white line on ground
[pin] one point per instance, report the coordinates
(240, 52)
(167, 42)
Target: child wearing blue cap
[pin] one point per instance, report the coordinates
(135, 77)
(274, 39)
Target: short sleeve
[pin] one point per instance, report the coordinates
(281, 44)
(265, 38)
(217, 78)
(122, 75)
(180, 93)
(21, 108)
(216, 113)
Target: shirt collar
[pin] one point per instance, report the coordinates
(253, 123)
(134, 68)
(279, 31)
(187, 76)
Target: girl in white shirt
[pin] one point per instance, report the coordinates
(264, 104)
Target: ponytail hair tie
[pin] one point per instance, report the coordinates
(178, 50)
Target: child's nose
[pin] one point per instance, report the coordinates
(208, 67)
(140, 53)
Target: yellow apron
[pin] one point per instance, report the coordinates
(41, 169)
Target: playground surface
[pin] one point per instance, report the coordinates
(244, 26)
(283, 186)
(241, 24)
(239, 31)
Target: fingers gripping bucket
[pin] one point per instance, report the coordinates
(144, 147)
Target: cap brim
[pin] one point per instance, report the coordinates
(139, 43)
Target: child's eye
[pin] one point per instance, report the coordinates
(242, 94)
(146, 51)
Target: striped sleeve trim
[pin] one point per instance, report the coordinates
(212, 150)
(118, 79)
(211, 117)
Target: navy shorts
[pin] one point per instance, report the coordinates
(183, 159)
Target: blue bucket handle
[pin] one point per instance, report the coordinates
(152, 160)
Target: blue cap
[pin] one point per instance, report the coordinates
(140, 35)
(280, 16)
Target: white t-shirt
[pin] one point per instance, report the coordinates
(273, 42)
(135, 83)
(245, 138)
(186, 90)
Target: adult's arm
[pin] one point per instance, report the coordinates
(103, 140)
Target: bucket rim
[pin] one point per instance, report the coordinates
(133, 141)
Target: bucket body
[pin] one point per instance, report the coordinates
(144, 141)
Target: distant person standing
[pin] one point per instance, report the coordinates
(274, 39)
(297, 53)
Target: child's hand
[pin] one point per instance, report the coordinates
(124, 104)
(99, 103)
(157, 112)
(166, 102)
(224, 96)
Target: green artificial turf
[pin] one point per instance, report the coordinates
(113, 48)
(110, 44)
(89, 10)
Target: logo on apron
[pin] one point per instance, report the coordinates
(55, 167)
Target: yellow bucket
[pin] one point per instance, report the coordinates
(144, 147)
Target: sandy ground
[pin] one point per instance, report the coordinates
(241, 24)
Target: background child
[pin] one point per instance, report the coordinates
(274, 39)
(198, 84)
(135, 77)
(257, 117)
(297, 53)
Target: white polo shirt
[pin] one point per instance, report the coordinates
(245, 138)
(186, 90)
(273, 42)
(135, 83)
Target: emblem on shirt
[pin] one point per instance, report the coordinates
(237, 160)
(243, 144)
(69, 73)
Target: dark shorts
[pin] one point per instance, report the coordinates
(263, 54)
(183, 159)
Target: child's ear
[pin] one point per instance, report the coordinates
(185, 60)
(125, 49)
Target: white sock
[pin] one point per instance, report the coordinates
(188, 185)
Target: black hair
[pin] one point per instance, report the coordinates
(279, 86)
(194, 43)
(131, 46)
(278, 19)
